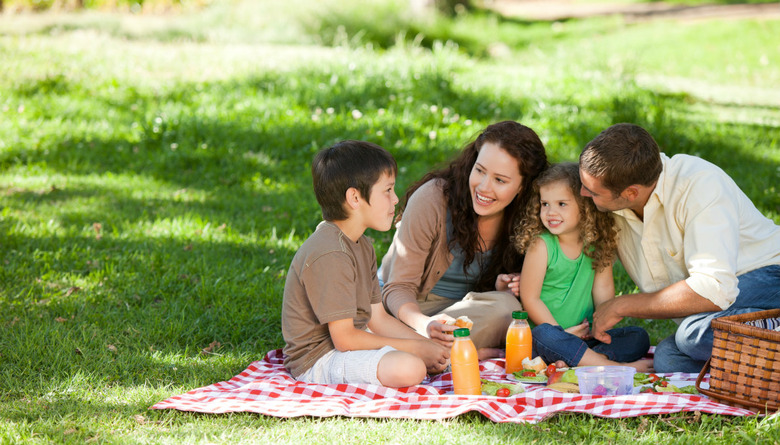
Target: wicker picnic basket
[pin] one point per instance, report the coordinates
(745, 364)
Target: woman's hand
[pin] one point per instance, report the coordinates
(439, 331)
(509, 282)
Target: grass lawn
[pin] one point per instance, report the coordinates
(154, 186)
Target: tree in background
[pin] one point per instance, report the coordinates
(448, 7)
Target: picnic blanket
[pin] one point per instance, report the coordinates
(266, 387)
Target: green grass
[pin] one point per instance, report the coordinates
(154, 185)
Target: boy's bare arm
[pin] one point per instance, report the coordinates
(435, 355)
(386, 325)
(347, 338)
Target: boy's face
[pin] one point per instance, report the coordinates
(379, 214)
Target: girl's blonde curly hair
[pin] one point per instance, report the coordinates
(597, 229)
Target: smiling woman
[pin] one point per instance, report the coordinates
(452, 238)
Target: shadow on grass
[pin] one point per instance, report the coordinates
(177, 294)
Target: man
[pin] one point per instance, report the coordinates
(691, 240)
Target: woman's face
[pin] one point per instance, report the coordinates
(495, 180)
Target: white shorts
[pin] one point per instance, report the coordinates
(338, 367)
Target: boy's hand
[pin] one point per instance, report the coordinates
(581, 330)
(435, 356)
(440, 332)
(508, 282)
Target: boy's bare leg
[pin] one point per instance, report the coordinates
(398, 369)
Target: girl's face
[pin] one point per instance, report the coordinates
(559, 212)
(495, 180)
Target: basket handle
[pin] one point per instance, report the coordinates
(702, 373)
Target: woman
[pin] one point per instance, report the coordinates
(453, 238)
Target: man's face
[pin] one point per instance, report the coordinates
(603, 198)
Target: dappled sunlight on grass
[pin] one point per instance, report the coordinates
(155, 184)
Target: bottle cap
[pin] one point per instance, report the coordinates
(520, 315)
(461, 332)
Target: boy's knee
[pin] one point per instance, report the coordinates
(399, 369)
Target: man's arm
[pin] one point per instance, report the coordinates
(675, 301)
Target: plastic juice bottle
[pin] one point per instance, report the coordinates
(518, 342)
(465, 364)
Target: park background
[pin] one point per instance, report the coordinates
(155, 181)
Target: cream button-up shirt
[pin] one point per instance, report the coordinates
(699, 227)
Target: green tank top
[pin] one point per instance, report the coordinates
(567, 290)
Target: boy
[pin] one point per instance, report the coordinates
(332, 291)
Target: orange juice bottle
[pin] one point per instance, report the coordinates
(518, 342)
(465, 364)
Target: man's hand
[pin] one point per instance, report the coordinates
(604, 318)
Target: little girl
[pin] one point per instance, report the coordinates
(569, 248)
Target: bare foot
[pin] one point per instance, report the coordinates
(642, 365)
(486, 353)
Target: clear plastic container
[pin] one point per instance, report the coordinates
(605, 380)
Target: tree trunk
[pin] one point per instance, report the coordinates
(448, 7)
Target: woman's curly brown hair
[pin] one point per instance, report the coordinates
(597, 229)
(523, 144)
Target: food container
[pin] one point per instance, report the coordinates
(605, 380)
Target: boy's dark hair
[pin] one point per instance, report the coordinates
(621, 156)
(346, 164)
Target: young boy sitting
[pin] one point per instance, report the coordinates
(332, 294)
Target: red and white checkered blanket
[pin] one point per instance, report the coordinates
(266, 387)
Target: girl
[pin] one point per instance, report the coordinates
(453, 237)
(569, 248)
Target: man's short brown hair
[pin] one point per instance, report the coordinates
(621, 156)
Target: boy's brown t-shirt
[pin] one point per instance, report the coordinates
(330, 278)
